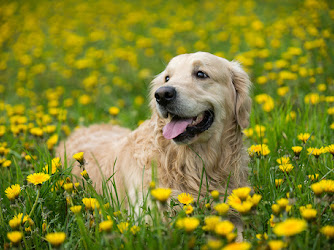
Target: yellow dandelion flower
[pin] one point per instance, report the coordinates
(276, 208)
(308, 213)
(38, 178)
(13, 191)
(255, 199)
(278, 182)
(223, 228)
(56, 239)
(114, 111)
(330, 149)
(161, 194)
(106, 226)
(79, 157)
(313, 177)
(328, 231)
(123, 227)
(286, 167)
(185, 198)
(242, 192)
(189, 224)
(276, 244)
(84, 174)
(304, 137)
(15, 237)
(297, 150)
(214, 244)
(211, 222)
(283, 160)
(91, 203)
(316, 152)
(221, 208)
(283, 202)
(6, 163)
(117, 213)
(258, 150)
(238, 246)
(290, 227)
(152, 185)
(134, 229)
(215, 194)
(68, 187)
(76, 209)
(189, 209)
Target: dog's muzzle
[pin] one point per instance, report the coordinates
(165, 95)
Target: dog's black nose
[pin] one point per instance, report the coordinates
(165, 95)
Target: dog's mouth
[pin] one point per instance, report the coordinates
(180, 128)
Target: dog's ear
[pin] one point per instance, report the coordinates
(242, 85)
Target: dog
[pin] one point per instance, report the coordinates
(200, 103)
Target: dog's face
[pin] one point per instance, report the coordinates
(196, 95)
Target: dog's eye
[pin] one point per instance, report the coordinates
(201, 74)
(166, 78)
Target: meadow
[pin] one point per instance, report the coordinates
(66, 64)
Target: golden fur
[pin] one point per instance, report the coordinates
(129, 154)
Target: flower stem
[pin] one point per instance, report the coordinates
(35, 204)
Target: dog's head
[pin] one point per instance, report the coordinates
(197, 94)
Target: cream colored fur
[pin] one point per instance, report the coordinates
(221, 148)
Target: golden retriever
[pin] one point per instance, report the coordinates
(200, 104)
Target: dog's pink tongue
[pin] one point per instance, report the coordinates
(175, 128)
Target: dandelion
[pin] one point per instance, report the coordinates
(308, 213)
(76, 209)
(15, 237)
(215, 194)
(13, 191)
(68, 187)
(276, 209)
(161, 194)
(242, 192)
(283, 160)
(313, 177)
(304, 137)
(117, 213)
(328, 231)
(185, 198)
(91, 203)
(134, 229)
(114, 111)
(189, 224)
(79, 157)
(188, 209)
(258, 150)
(56, 239)
(283, 203)
(330, 149)
(221, 208)
(211, 222)
(106, 226)
(223, 228)
(286, 168)
(84, 174)
(6, 163)
(38, 178)
(278, 182)
(238, 246)
(323, 186)
(276, 244)
(316, 151)
(123, 227)
(290, 227)
(214, 244)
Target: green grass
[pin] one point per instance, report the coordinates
(56, 54)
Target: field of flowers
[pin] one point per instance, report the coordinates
(65, 64)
